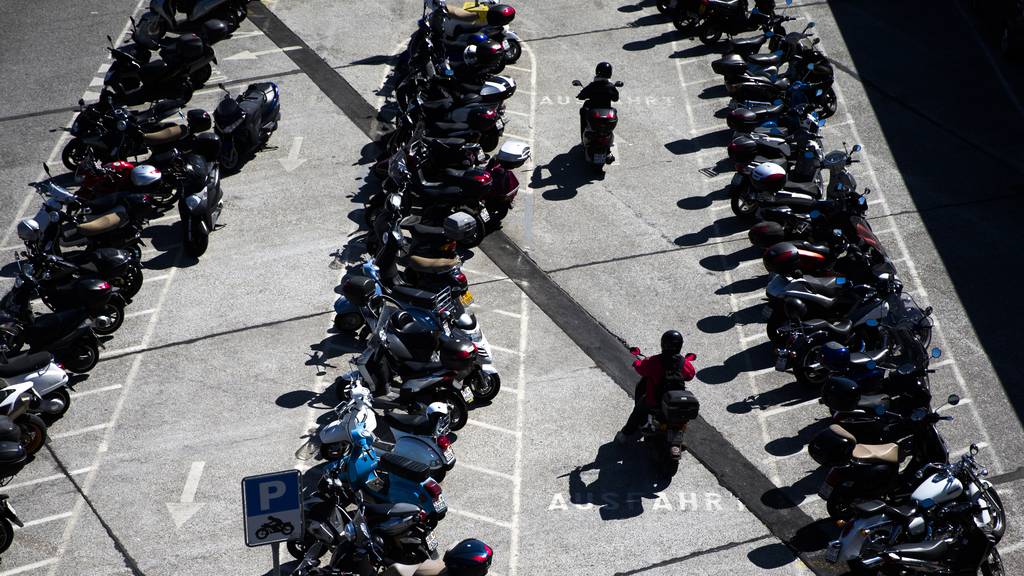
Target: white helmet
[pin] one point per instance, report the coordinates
(768, 176)
(145, 175)
(28, 230)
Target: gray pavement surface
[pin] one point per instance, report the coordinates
(227, 361)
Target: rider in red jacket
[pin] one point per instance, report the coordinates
(669, 369)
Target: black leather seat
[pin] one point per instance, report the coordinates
(414, 296)
(810, 188)
(413, 423)
(389, 510)
(765, 60)
(24, 363)
(724, 3)
(441, 194)
(841, 328)
(819, 248)
(748, 45)
(871, 402)
(50, 327)
(823, 286)
(404, 467)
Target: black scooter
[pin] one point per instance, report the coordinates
(67, 335)
(246, 123)
(598, 137)
(7, 517)
(201, 196)
(103, 303)
(162, 18)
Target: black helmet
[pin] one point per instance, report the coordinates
(671, 342)
(215, 30)
(198, 120)
(795, 308)
(470, 557)
(842, 394)
(603, 70)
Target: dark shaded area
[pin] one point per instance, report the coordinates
(789, 445)
(719, 229)
(630, 8)
(626, 476)
(716, 139)
(756, 358)
(925, 126)
(566, 172)
(770, 556)
(786, 395)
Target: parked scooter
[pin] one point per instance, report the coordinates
(162, 17)
(246, 123)
(201, 200)
(7, 517)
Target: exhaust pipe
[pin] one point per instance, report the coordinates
(104, 321)
(53, 406)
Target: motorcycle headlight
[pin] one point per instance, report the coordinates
(193, 201)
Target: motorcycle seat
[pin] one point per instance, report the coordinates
(414, 423)
(861, 358)
(724, 3)
(49, 327)
(449, 126)
(404, 467)
(819, 248)
(154, 71)
(823, 286)
(882, 452)
(870, 402)
(934, 550)
(165, 136)
(441, 194)
(108, 221)
(24, 363)
(840, 431)
(810, 188)
(430, 265)
(386, 510)
(752, 43)
(765, 60)
(841, 328)
(414, 296)
(461, 14)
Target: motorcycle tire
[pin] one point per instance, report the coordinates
(74, 152)
(80, 357)
(299, 548)
(805, 372)
(64, 396)
(230, 160)
(685, 23)
(992, 565)
(514, 52)
(489, 141)
(130, 282)
(115, 312)
(287, 529)
(837, 509)
(664, 6)
(348, 322)
(742, 205)
(485, 386)
(829, 104)
(262, 533)
(775, 321)
(709, 35)
(6, 534)
(201, 76)
(458, 410)
(33, 433)
(999, 521)
(200, 241)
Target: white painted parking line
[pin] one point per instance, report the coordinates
(96, 391)
(103, 68)
(122, 352)
(509, 136)
(488, 471)
(80, 431)
(722, 206)
(473, 516)
(487, 426)
(45, 479)
(759, 295)
(514, 113)
(29, 567)
(945, 407)
(159, 278)
(754, 337)
(145, 312)
(507, 313)
(46, 519)
(505, 350)
(471, 271)
(520, 68)
(941, 364)
(781, 409)
(809, 499)
(762, 371)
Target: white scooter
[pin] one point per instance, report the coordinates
(47, 380)
(420, 437)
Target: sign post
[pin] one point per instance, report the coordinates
(272, 508)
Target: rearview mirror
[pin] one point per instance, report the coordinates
(81, 101)
(811, 24)
(936, 352)
(789, 2)
(769, 34)
(810, 66)
(619, 84)
(857, 148)
(953, 399)
(577, 83)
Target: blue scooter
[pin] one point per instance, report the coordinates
(388, 478)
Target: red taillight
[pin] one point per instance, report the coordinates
(490, 114)
(461, 278)
(466, 353)
(740, 167)
(147, 198)
(483, 179)
(104, 286)
(423, 517)
(432, 488)
(508, 11)
(444, 442)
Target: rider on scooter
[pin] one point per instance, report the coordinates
(669, 370)
(598, 94)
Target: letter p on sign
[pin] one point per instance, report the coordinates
(270, 491)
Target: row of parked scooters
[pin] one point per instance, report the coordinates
(445, 185)
(84, 248)
(839, 319)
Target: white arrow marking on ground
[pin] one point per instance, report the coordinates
(247, 55)
(187, 507)
(293, 161)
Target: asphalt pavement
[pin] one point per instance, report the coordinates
(227, 361)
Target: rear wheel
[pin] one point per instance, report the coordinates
(485, 386)
(514, 52)
(114, 313)
(65, 397)
(198, 240)
(33, 433)
(709, 35)
(742, 202)
(230, 159)
(6, 534)
(80, 357)
(808, 368)
(349, 322)
(685, 23)
(458, 410)
(201, 76)
(837, 508)
(829, 104)
(152, 25)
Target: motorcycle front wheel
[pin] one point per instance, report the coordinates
(152, 26)
(114, 311)
(81, 357)
(201, 76)
(742, 203)
(74, 152)
(458, 410)
(197, 240)
(65, 397)
(230, 159)
(485, 386)
(33, 433)
(514, 52)
(6, 534)
(709, 35)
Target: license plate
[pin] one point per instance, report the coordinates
(431, 542)
(499, 124)
(766, 312)
(825, 491)
(485, 215)
(449, 455)
(467, 394)
(832, 554)
(466, 298)
(600, 158)
(780, 364)
(440, 505)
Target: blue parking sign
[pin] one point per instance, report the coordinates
(272, 505)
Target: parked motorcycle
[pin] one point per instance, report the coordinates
(7, 517)
(245, 123)
(162, 17)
